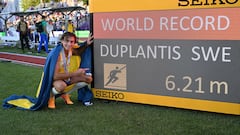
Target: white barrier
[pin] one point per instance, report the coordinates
(9, 40)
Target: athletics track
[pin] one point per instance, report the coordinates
(22, 59)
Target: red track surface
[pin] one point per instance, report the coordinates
(24, 59)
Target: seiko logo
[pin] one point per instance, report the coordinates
(109, 95)
(205, 2)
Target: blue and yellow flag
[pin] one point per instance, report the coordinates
(45, 86)
(85, 94)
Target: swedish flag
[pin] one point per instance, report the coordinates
(44, 88)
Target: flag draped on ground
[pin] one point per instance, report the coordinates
(45, 85)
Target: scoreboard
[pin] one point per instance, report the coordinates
(181, 53)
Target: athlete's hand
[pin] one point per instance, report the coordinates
(90, 39)
(88, 79)
(81, 71)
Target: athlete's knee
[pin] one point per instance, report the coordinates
(59, 86)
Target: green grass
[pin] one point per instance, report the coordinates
(114, 118)
(17, 49)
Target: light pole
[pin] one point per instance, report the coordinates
(2, 6)
(42, 2)
(78, 17)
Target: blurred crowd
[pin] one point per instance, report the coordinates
(56, 22)
(80, 18)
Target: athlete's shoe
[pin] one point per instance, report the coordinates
(51, 103)
(88, 103)
(67, 99)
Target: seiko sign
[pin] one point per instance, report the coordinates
(180, 53)
(206, 2)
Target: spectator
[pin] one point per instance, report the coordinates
(32, 28)
(70, 27)
(22, 28)
(50, 29)
(35, 34)
(43, 36)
